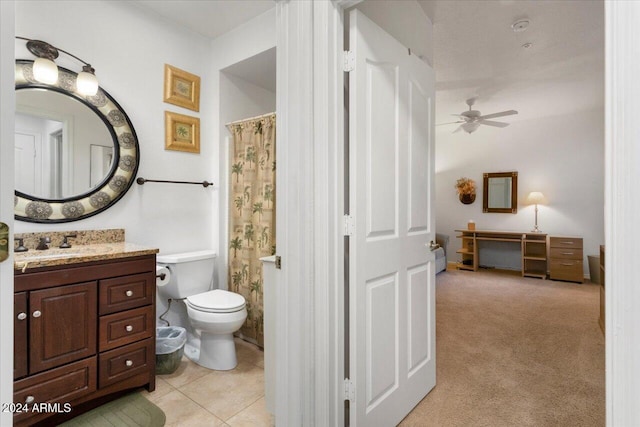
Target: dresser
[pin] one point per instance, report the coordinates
(566, 259)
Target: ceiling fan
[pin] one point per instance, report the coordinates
(472, 119)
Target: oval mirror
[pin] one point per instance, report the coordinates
(75, 155)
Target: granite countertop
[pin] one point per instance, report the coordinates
(78, 254)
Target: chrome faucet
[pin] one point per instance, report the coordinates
(43, 245)
(65, 244)
(20, 247)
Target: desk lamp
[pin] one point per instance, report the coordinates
(535, 198)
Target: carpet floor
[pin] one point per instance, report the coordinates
(515, 351)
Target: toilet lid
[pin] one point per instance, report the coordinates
(217, 301)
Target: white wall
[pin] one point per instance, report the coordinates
(561, 156)
(128, 48)
(406, 21)
(235, 103)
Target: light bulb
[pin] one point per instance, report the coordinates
(86, 82)
(45, 71)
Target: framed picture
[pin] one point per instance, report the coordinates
(181, 88)
(182, 133)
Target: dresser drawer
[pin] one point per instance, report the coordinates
(565, 253)
(124, 362)
(60, 385)
(123, 293)
(566, 269)
(565, 242)
(126, 327)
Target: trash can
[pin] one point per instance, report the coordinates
(170, 342)
(594, 268)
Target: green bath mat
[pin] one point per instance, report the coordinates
(132, 410)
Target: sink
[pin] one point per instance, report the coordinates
(50, 256)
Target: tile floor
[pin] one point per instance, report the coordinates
(195, 396)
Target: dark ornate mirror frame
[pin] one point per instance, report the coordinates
(514, 192)
(123, 169)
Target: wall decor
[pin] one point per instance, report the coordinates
(466, 188)
(182, 133)
(181, 88)
(500, 192)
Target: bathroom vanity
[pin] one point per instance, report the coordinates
(84, 326)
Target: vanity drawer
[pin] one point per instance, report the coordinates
(566, 269)
(565, 242)
(60, 385)
(126, 327)
(565, 253)
(124, 362)
(123, 293)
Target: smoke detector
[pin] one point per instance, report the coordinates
(520, 25)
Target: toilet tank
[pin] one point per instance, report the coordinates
(191, 273)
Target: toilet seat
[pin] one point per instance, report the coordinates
(216, 301)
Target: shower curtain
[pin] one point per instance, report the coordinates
(252, 214)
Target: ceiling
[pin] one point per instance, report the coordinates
(209, 18)
(476, 53)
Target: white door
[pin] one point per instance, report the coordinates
(391, 268)
(27, 172)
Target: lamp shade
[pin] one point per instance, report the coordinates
(470, 127)
(87, 83)
(45, 71)
(535, 198)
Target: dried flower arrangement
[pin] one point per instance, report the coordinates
(465, 186)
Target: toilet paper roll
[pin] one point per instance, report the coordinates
(160, 270)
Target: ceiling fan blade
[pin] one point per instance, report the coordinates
(450, 123)
(496, 124)
(501, 114)
(459, 128)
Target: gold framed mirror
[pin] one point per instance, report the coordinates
(500, 192)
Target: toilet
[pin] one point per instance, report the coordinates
(214, 314)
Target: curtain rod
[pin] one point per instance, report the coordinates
(250, 118)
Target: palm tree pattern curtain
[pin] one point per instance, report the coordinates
(252, 216)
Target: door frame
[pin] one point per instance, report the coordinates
(7, 111)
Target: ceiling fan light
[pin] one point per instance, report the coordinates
(45, 71)
(87, 83)
(470, 127)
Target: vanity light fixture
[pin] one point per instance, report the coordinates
(535, 198)
(45, 69)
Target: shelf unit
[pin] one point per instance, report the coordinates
(534, 255)
(468, 251)
(533, 249)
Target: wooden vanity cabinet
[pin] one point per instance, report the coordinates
(83, 332)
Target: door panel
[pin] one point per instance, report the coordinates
(391, 273)
(62, 325)
(382, 144)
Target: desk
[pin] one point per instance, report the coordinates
(533, 249)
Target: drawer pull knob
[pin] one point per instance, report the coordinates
(37, 313)
(29, 399)
(22, 316)
(567, 264)
(128, 328)
(568, 243)
(129, 293)
(567, 253)
(129, 363)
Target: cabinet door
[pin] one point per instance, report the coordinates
(20, 335)
(62, 325)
